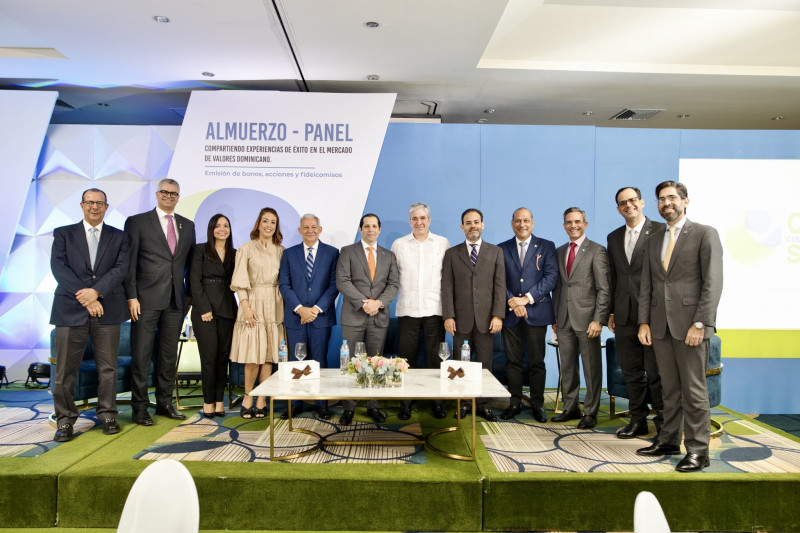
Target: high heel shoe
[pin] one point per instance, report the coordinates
(260, 412)
(209, 415)
(219, 413)
(246, 412)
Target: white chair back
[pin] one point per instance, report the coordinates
(163, 499)
(648, 516)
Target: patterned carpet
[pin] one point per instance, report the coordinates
(235, 439)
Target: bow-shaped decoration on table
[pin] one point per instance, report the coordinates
(297, 373)
(455, 373)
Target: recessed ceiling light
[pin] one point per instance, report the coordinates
(160, 18)
(587, 113)
(482, 121)
(371, 24)
(777, 118)
(684, 116)
(208, 74)
(490, 111)
(373, 77)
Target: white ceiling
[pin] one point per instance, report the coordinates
(728, 64)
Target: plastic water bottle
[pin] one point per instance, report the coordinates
(465, 355)
(344, 356)
(283, 353)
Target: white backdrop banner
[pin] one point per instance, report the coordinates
(239, 151)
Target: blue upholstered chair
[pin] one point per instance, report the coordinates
(616, 387)
(86, 385)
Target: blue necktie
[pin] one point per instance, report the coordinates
(473, 256)
(309, 263)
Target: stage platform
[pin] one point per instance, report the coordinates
(527, 476)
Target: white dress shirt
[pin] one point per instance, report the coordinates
(420, 267)
(162, 218)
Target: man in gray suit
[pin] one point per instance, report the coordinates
(161, 244)
(582, 299)
(474, 297)
(366, 275)
(626, 246)
(678, 299)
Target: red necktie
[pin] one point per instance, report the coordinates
(172, 238)
(571, 257)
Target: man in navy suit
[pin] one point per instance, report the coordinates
(531, 275)
(89, 261)
(161, 244)
(307, 281)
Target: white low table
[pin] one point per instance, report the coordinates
(418, 384)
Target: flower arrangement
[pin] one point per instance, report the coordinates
(377, 371)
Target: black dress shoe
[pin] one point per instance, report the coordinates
(633, 429)
(539, 415)
(404, 414)
(463, 412)
(587, 422)
(323, 413)
(295, 410)
(438, 411)
(659, 449)
(510, 412)
(110, 426)
(142, 418)
(346, 418)
(693, 463)
(376, 415)
(566, 416)
(219, 413)
(63, 433)
(170, 411)
(208, 415)
(487, 414)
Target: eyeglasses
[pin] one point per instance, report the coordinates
(90, 203)
(672, 198)
(169, 194)
(632, 201)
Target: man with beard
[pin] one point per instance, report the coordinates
(678, 299)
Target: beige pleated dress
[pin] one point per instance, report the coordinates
(255, 279)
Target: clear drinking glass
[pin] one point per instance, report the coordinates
(300, 351)
(361, 349)
(444, 351)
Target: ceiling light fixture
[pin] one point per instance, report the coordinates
(683, 116)
(482, 121)
(490, 111)
(372, 24)
(373, 77)
(161, 19)
(777, 118)
(208, 74)
(587, 113)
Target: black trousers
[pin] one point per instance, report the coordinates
(168, 323)
(408, 330)
(639, 366)
(214, 345)
(70, 346)
(517, 339)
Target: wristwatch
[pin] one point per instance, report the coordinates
(698, 325)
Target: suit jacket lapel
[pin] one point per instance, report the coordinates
(82, 244)
(464, 255)
(582, 249)
(643, 236)
(361, 254)
(683, 235)
(102, 246)
(155, 226)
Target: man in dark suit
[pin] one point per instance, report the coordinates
(531, 275)
(626, 246)
(89, 261)
(161, 243)
(474, 297)
(366, 275)
(678, 299)
(582, 300)
(307, 281)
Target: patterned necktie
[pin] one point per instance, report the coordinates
(93, 243)
(630, 243)
(571, 257)
(473, 256)
(522, 247)
(309, 263)
(371, 263)
(172, 238)
(670, 247)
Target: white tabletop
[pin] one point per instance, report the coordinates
(418, 384)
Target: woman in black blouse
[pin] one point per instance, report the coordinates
(213, 310)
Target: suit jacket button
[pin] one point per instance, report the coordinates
(521, 280)
(94, 277)
(309, 289)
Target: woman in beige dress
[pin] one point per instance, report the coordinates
(259, 323)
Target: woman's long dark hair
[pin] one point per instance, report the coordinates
(211, 252)
(277, 237)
